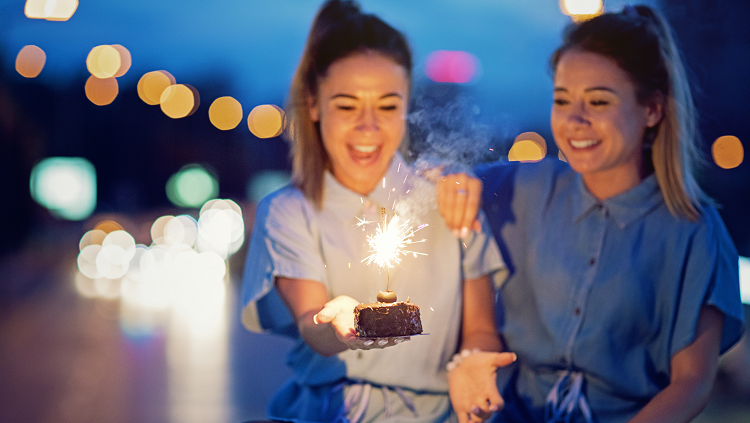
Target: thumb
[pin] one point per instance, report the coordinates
(326, 315)
(504, 359)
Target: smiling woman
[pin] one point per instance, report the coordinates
(305, 274)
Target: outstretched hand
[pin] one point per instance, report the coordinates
(473, 385)
(458, 197)
(339, 312)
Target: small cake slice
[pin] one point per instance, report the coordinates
(387, 317)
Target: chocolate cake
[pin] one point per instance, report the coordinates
(387, 317)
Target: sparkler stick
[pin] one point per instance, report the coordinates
(389, 243)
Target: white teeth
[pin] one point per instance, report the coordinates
(365, 148)
(583, 143)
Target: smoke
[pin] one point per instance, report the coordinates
(449, 136)
(444, 138)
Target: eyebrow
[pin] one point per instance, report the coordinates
(561, 89)
(353, 97)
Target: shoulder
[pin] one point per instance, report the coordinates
(287, 200)
(503, 179)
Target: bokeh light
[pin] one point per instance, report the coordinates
(152, 85)
(225, 113)
(581, 10)
(457, 67)
(51, 10)
(103, 61)
(265, 182)
(30, 61)
(728, 152)
(221, 228)
(66, 186)
(101, 91)
(745, 279)
(528, 147)
(192, 186)
(266, 121)
(125, 60)
(179, 101)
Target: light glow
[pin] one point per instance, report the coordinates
(66, 186)
(30, 61)
(745, 279)
(390, 241)
(51, 10)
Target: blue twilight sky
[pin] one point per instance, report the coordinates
(255, 45)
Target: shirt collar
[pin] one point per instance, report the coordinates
(623, 208)
(347, 204)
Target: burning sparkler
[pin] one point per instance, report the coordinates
(389, 243)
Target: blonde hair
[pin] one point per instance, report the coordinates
(339, 30)
(640, 41)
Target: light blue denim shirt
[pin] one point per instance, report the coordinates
(605, 290)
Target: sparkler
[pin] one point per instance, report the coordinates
(389, 243)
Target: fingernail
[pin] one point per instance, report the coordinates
(515, 357)
(382, 342)
(315, 319)
(476, 410)
(464, 232)
(368, 342)
(494, 408)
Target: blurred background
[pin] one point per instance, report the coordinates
(137, 136)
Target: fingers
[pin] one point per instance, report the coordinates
(375, 343)
(458, 202)
(473, 195)
(504, 359)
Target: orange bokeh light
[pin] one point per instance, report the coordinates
(225, 113)
(179, 100)
(266, 121)
(528, 147)
(30, 61)
(728, 152)
(103, 61)
(125, 60)
(108, 226)
(101, 91)
(152, 85)
(581, 10)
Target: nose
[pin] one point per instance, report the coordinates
(368, 120)
(577, 115)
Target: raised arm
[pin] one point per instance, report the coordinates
(693, 372)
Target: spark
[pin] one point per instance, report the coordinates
(389, 243)
(362, 221)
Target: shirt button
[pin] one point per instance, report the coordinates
(577, 311)
(592, 260)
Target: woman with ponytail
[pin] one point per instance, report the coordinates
(304, 272)
(623, 287)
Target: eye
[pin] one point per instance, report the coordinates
(344, 107)
(599, 102)
(561, 102)
(389, 107)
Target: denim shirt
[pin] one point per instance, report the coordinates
(607, 289)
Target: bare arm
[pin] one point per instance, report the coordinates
(326, 326)
(472, 384)
(693, 372)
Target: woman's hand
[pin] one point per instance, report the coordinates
(458, 197)
(339, 312)
(473, 385)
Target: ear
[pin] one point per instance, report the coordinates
(654, 111)
(312, 106)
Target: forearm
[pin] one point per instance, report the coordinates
(320, 337)
(478, 325)
(678, 402)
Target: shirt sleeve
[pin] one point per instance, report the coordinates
(481, 255)
(711, 268)
(283, 243)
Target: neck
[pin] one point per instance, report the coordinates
(604, 185)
